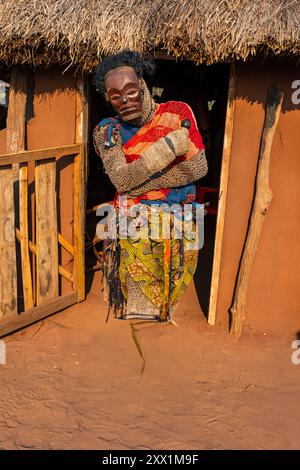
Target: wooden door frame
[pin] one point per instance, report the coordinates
(82, 114)
(80, 174)
(222, 203)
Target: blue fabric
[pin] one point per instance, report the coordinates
(127, 130)
(175, 195)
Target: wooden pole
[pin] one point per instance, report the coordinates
(16, 110)
(222, 196)
(16, 143)
(26, 268)
(261, 203)
(8, 265)
(9, 203)
(80, 167)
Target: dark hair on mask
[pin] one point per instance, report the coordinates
(143, 67)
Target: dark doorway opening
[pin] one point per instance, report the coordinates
(205, 90)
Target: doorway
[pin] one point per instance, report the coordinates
(205, 89)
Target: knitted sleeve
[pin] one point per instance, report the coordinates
(183, 173)
(126, 176)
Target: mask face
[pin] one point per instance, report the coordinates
(123, 92)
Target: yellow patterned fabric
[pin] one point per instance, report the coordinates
(155, 272)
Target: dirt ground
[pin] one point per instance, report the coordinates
(74, 382)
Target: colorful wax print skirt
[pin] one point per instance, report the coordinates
(147, 273)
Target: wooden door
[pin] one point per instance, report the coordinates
(32, 242)
(30, 270)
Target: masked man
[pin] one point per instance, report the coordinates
(153, 161)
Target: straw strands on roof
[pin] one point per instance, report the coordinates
(82, 31)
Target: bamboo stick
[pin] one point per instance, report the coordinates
(93, 268)
(260, 206)
(94, 208)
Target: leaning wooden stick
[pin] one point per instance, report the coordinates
(262, 199)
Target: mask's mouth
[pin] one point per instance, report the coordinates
(129, 110)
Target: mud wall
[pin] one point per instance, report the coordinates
(273, 302)
(53, 125)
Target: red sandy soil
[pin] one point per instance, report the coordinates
(74, 382)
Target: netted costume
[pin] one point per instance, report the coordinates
(151, 161)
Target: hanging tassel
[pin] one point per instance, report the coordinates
(111, 272)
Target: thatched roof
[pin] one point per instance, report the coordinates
(82, 31)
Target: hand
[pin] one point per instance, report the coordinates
(116, 136)
(115, 140)
(178, 141)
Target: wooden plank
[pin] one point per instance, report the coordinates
(41, 154)
(63, 242)
(46, 232)
(31, 245)
(16, 130)
(262, 200)
(79, 262)
(82, 123)
(16, 109)
(15, 142)
(62, 271)
(26, 268)
(223, 196)
(37, 313)
(66, 274)
(8, 265)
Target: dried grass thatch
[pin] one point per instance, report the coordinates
(44, 32)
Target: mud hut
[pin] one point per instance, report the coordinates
(232, 52)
